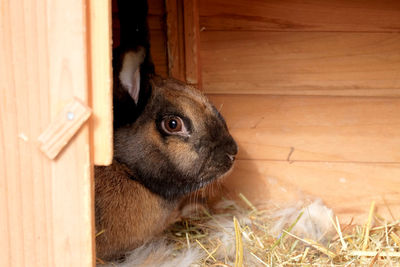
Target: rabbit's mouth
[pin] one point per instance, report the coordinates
(218, 169)
(212, 178)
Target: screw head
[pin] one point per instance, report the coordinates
(70, 115)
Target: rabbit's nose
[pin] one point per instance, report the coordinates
(232, 148)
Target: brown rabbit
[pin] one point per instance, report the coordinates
(177, 144)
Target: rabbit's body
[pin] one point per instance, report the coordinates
(169, 141)
(127, 212)
(177, 144)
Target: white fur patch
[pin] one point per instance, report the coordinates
(159, 254)
(130, 72)
(315, 222)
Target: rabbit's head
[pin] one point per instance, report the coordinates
(179, 142)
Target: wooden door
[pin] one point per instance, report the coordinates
(46, 55)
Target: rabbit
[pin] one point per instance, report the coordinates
(176, 144)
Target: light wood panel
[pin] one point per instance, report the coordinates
(293, 15)
(360, 64)
(347, 188)
(63, 128)
(101, 79)
(46, 206)
(293, 128)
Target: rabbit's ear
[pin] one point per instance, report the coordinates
(129, 75)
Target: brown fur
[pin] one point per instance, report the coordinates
(155, 172)
(122, 212)
(140, 194)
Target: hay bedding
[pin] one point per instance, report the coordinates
(304, 234)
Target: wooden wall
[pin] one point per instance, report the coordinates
(311, 92)
(335, 47)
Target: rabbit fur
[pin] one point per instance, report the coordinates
(154, 169)
(169, 141)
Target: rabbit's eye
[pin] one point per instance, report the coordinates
(173, 125)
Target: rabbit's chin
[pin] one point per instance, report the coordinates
(218, 177)
(204, 180)
(226, 174)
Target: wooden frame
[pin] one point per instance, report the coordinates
(101, 79)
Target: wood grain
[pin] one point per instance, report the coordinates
(293, 15)
(350, 64)
(46, 206)
(156, 7)
(158, 50)
(192, 42)
(183, 40)
(347, 188)
(101, 80)
(301, 128)
(175, 39)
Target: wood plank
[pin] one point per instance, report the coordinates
(158, 50)
(304, 128)
(351, 64)
(156, 7)
(68, 77)
(192, 42)
(183, 40)
(64, 126)
(156, 22)
(46, 205)
(175, 40)
(158, 36)
(293, 15)
(101, 80)
(347, 188)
